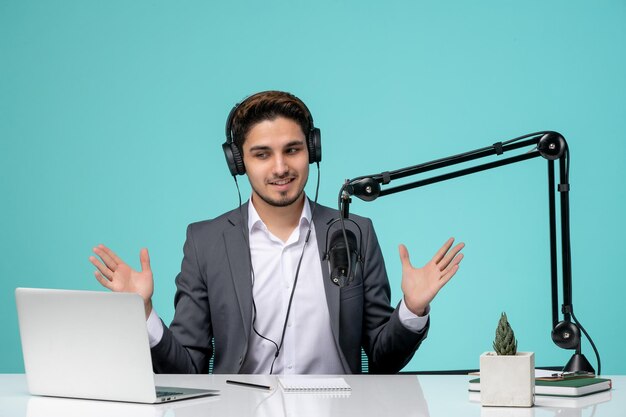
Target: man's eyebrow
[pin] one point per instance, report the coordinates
(297, 142)
(260, 148)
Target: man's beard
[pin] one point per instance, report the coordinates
(283, 201)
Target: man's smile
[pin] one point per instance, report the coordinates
(282, 181)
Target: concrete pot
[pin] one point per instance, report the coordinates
(507, 381)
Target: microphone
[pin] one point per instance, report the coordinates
(338, 257)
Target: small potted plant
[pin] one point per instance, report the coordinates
(507, 377)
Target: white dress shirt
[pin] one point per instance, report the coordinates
(309, 346)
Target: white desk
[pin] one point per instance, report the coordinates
(387, 395)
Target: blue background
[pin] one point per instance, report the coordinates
(112, 115)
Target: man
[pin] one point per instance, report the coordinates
(254, 280)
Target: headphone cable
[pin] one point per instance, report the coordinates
(306, 240)
(295, 280)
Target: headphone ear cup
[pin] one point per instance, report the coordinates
(233, 159)
(314, 143)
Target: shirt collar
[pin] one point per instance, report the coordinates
(254, 220)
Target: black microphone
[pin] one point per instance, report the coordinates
(338, 257)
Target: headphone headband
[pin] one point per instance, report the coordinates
(234, 156)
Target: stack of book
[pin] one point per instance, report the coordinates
(562, 392)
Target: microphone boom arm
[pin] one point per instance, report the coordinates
(368, 188)
(549, 145)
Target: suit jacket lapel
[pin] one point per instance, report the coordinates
(323, 216)
(239, 260)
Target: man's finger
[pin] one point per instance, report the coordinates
(144, 258)
(441, 252)
(450, 255)
(102, 280)
(111, 254)
(404, 255)
(448, 275)
(106, 258)
(101, 267)
(455, 261)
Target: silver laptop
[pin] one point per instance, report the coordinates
(89, 344)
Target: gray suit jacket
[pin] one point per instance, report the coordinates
(214, 300)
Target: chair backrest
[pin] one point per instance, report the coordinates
(365, 362)
(212, 355)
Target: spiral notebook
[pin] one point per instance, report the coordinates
(314, 385)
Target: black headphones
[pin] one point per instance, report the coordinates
(233, 155)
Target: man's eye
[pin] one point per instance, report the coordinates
(260, 155)
(293, 150)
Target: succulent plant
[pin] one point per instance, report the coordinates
(505, 343)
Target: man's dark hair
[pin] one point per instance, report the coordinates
(268, 105)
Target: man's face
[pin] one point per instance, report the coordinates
(276, 158)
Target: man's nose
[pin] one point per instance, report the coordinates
(280, 166)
